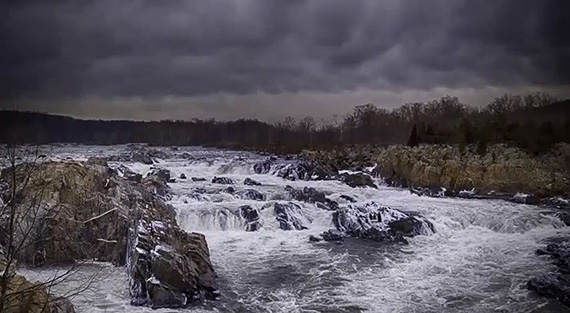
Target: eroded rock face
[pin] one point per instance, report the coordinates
(251, 217)
(104, 217)
(168, 267)
(290, 216)
(375, 222)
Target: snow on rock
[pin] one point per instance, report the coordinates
(375, 222)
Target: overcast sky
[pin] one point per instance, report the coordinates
(269, 59)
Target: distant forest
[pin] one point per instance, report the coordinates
(533, 122)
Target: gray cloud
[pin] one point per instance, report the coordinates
(187, 49)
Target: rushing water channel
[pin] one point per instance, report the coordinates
(479, 259)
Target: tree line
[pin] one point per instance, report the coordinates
(533, 122)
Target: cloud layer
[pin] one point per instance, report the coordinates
(150, 50)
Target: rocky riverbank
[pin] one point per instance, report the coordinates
(501, 172)
(87, 211)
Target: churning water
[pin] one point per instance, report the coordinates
(478, 260)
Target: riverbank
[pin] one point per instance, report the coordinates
(501, 172)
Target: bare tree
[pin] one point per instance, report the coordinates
(24, 214)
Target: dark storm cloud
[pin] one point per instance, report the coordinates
(61, 49)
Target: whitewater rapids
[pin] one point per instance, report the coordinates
(478, 260)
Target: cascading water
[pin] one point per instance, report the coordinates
(478, 259)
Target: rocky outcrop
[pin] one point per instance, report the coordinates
(501, 170)
(378, 223)
(222, 180)
(250, 182)
(358, 180)
(555, 285)
(127, 174)
(290, 216)
(88, 212)
(252, 194)
(311, 195)
(262, 167)
(305, 170)
(251, 217)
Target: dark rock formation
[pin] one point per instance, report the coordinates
(555, 285)
(197, 179)
(127, 174)
(372, 221)
(230, 190)
(156, 181)
(251, 217)
(252, 194)
(222, 180)
(311, 195)
(333, 235)
(290, 216)
(306, 170)
(141, 155)
(250, 182)
(262, 167)
(358, 180)
(348, 198)
(182, 176)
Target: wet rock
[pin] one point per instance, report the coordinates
(348, 198)
(311, 195)
(262, 167)
(290, 216)
(230, 190)
(129, 175)
(160, 173)
(358, 180)
(253, 194)
(156, 182)
(250, 182)
(435, 192)
(251, 217)
(306, 170)
(313, 238)
(332, 235)
(182, 176)
(222, 180)
(564, 217)
(551, 285)
(375, 222)
(198, 179)
(555, 285)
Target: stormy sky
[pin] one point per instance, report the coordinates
(268, 59)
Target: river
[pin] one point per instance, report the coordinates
(478, 260)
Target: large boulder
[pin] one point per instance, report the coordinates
(311, 195)
(290, 216)
(251, 217)
(262, 167)
(358, 180)
(252, 194)
(378, 223)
